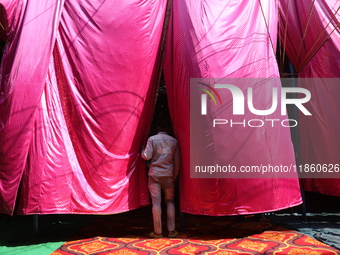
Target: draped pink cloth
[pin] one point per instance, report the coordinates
(310, 33)
(78, 82)
(77, 94)
(230, 39)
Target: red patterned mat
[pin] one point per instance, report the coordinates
(127, 234)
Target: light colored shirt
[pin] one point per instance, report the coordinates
(163, 151)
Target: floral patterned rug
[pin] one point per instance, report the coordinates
(127, 234)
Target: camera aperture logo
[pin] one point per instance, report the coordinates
(279, 97)
(204, 96)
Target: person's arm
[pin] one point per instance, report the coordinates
(147, 152)
(177, 160)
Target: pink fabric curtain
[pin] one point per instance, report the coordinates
(77, 94)
(230, 39)
(309, 31)
(30, 30)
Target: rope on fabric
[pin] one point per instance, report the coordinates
(265, 21)
(313, 51)
(285, 26)
(305, 32)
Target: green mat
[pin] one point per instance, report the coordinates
(17, 233)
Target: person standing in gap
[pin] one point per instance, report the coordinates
(163, 151)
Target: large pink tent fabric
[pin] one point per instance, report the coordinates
(221, 39)
(310, 33)
(77, 94)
